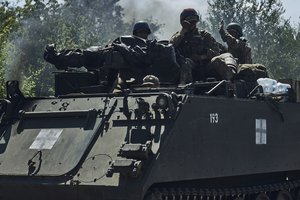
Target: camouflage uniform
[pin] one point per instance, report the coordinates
(200, 47)
(125, 63)
(238, 47)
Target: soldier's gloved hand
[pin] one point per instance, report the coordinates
(222, 31)
(185, 26)
(221, 25)
(50, 53)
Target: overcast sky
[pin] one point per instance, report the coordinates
(292, 9)
(291, 6)
(167, 12)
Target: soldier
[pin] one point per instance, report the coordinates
(140, 34)
(93, 57)
(198, 46)
(141, 29)
(97, 58)
(126, 61)
(237, 45)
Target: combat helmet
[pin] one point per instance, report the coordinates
(189, 14)
(150, 81)
(141, 25)
(236, 27)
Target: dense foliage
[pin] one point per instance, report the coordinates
(26, 29)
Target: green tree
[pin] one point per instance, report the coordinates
(8, 23)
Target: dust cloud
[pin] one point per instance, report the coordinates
(13, 61)
(165, 12)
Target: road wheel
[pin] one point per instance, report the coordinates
(296, 194)
(238, 198)
(262, 196)
(284, 195)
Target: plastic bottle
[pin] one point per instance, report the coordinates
(269, 85)
(282, 88)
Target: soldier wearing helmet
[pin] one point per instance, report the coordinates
(141, 29)
(237, 45)
(196, 45)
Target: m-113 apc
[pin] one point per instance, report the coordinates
(205, 140)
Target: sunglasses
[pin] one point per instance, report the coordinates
(143, 31)
(192, 19)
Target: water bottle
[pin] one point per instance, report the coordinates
(282, 88)
(269, 85)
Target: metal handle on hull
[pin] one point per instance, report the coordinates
(89, 115)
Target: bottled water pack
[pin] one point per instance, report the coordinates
(271, 86)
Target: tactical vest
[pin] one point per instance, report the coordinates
(193, 44)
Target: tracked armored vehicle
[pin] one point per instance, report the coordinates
(205, 140)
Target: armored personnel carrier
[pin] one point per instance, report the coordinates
(204, 140)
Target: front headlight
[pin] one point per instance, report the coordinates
(162, 102)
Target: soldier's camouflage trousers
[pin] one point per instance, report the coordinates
(225, 65)
(186, 71)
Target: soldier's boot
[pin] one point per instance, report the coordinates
(119, 86)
